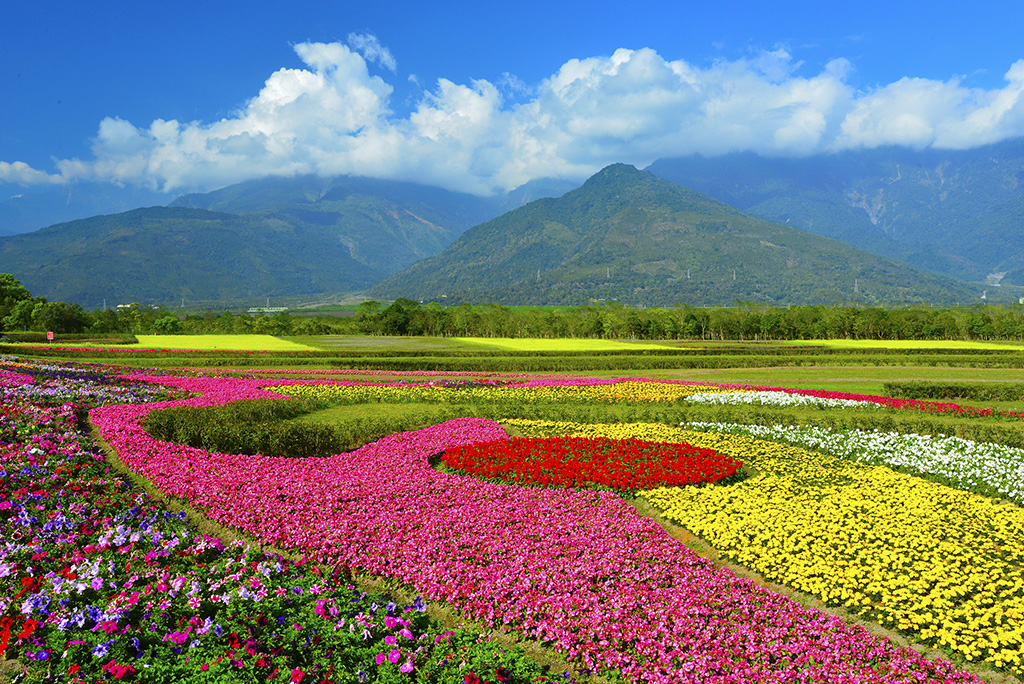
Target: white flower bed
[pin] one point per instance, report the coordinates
(970, 465)
(769, 398)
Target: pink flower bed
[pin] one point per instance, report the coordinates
(581, 570)
(12, 379)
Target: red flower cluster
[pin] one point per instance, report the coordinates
(591, 463)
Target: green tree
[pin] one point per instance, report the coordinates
(168, 325)
(20, 316)
(396, 319)
(11, 292)
(60, 317)
(369, 317)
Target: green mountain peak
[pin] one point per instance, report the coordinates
(630, 236)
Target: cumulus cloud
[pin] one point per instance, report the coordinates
(923, 113)
(331, 116)
(23, 174)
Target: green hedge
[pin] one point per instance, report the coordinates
(261, 426)
(976, 391)
(110, 338)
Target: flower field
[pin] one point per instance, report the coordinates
(537, 535)
(908, 553)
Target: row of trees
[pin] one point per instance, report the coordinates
(742, 322)
(19, 310)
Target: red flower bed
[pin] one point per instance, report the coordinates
(592, 463)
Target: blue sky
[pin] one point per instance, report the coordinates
(482, 97)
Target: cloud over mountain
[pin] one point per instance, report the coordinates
(333, 116)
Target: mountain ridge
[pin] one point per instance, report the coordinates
(957, 212)
(665, 244)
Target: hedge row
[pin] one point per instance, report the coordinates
(33, 337)
(262, 426)
(974, 391)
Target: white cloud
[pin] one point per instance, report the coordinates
(512, 85)
(23, 174)
(369, 47)
(333, 117)
(924, 113)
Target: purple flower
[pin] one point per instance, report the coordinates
(102, 649)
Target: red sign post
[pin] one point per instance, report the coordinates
(49, 336)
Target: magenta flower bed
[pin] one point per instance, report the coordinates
(581, 570)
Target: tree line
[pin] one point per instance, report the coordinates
(19, 310)
(744, 321)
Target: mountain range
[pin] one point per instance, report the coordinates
(276, 237)
(957, 212)
(948, 214)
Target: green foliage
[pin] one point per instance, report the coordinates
(244, 427)
(59, 317)
(265, 427)
(742, 322)
(33, 337)
(972, 391)
(13, 294)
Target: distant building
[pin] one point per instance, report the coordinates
(266, 309)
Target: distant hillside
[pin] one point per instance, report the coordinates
(23, 210)
(272, 237)
(630, 236)
(387, 225)
(958, 212)
(162, 254)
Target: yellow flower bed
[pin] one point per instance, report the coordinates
(628, 391)
(945, 565)
(561, 344)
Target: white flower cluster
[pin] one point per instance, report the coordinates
(769, 398)
(969, 465)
